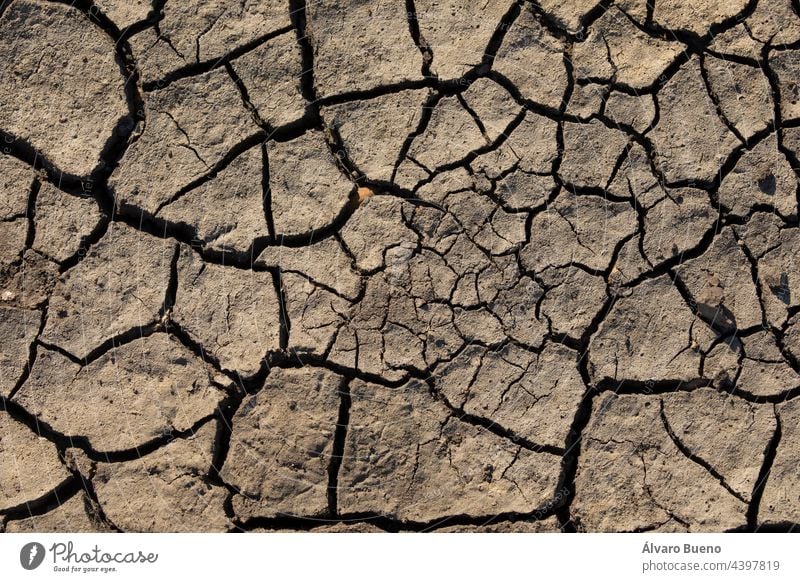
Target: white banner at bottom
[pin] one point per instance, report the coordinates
(371, 557)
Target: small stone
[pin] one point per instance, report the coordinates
(364, 193)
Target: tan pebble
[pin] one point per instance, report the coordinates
(364, 193)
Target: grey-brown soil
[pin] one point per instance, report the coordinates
(353, 265)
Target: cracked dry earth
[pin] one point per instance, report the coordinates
(384, 265)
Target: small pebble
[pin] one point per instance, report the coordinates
(364, 193)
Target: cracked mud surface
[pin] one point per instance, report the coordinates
(383, 265)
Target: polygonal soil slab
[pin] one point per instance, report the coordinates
(282, 444)
(75, 515)
(386, 50)
(31, 465)
(648, 462)
(129, 396)
(18, 328)
(232, 313)
(407, 456)
(61, 65)
(120, 285)
(167, 490)
(191, 125)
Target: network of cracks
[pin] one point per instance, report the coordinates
(385, 266)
